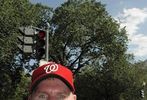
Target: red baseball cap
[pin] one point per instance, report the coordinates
(52, 69)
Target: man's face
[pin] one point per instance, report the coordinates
(52, 89)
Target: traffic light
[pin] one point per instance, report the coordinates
(142, 93)
(40, 44)
(26, 40)
(32, 42)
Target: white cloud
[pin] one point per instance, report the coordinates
(132, 18)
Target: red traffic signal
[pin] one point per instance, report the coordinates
(41, 34)
(40, 44)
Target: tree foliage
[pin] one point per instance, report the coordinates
(14, 14)
(83, 33)
(121, 83)
(22, 90)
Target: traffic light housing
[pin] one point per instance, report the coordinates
(32, 42)
(26, 40)
(40, 44)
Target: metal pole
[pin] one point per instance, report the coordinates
(47, 42)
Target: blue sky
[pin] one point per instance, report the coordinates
(131, 13)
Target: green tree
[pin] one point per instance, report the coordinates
(22, 89)
(83, 33)
(141, 71)
(14, 14)
(118, 83)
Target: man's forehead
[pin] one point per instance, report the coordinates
(53, 84)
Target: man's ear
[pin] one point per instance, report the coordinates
(75, 97)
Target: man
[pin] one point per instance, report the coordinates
(52, 82)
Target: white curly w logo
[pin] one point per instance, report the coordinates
(51, 68)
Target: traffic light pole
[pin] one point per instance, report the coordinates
(47, 42)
